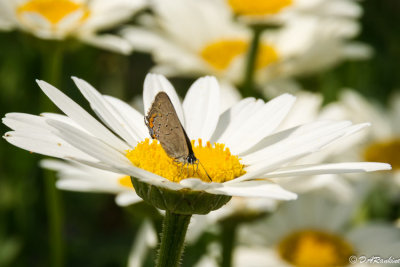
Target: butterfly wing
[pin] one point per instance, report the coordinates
(164, 125)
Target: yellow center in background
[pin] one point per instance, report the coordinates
(53, 10)
(385, 151)
(220, 54)
(258, 7)
(314, 248)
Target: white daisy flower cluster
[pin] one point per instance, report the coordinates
(191, 38)
(81, 19)
(312, 231)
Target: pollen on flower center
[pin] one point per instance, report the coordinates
(217, 160)
(221, 53)
(314, 248)
(385, 151)
(258, 7)
(125, 181)
(53, 10)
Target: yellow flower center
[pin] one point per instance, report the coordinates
(313, 248)
(53, 10)
(125, 181)
(217, 160)
(386, 151)
(258, 7)
(220, 54)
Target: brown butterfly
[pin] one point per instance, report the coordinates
(164, 125)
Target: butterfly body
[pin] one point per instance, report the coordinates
(164, 125)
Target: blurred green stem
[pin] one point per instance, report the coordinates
(247, 89)
(228, 236)
(51, 69)
(229, 226)
(172, 239)
(54, 212)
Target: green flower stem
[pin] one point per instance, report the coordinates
(54, 211)
(51, 70)
(228, 239)
(172, 239)
(53, 58)
(179, 205)
(229, 228)
(248, 84)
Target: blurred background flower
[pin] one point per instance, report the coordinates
(60, 19)
(312, 231)
(191, 38)
(316, 231)
(279, 11)
(78, 177)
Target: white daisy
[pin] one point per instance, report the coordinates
(314, 231)
(200, 37)
(281, 10)
(73, 176)
(383, 141)
(239, 148)
(59, 19)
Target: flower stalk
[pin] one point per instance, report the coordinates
(54, 212)
(228, 239)
(51, 69)
(229, 227)
(172, 239)
(248, 84)
(179, 206)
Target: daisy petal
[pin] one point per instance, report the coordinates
(127, 198)
(143, 40)
(197, 184)
(62, 118)
(89, 144)
(201, 107)
(109, 42)
(229, 121)
(134, 118)
(319, 137)
(315, 169)
(255, 189)
(96, 164)
(80, 116)
(105, 111)
(26, 122)
(45, 144)
(260, 124)
(294, 148)
(78, 185)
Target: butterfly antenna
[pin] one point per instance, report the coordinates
(205, 171)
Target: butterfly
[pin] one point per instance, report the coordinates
(164, 125)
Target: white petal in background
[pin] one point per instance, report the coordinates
(146, 239)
